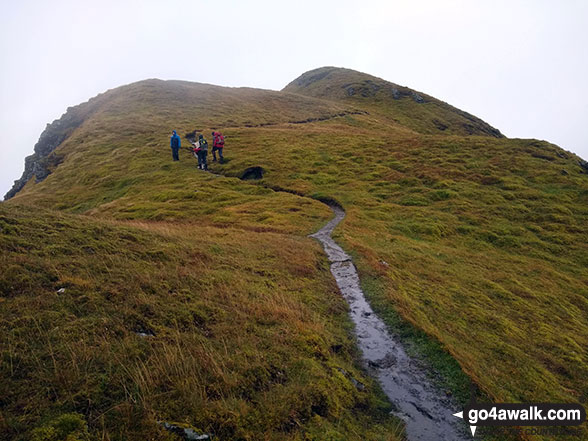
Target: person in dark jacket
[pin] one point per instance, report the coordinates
(202, 149)
(175, 143)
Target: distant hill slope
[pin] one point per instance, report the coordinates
(135, 290)
(154, 104)
(408, 107)
(472, 246)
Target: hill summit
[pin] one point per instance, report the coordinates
(346, 90)
(416, 110)
(142, 297)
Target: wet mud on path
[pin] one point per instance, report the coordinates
(426, 411)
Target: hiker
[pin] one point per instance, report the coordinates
(218, 142)
(201, 149)
(175, 144)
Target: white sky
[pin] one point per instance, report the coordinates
(522, 66)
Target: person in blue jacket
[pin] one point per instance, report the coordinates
(175, 144)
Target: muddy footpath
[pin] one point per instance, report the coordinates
(426, 411)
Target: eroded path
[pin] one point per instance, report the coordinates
(426, 411)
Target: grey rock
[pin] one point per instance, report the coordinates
(44, 159)
(186, 433)
(358, 384)
(145, 333)
(417, 97)
(385, 362)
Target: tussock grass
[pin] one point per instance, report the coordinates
(246, 336)
(471, 247)
(484, 245)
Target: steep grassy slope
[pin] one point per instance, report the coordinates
(251, 340)
(478, 241)
(244, 334)
(121, 153)
(398, 104)
(473, 240)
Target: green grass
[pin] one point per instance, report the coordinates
(390, 103)
(485, 246)
(250, 335)
(473, 248)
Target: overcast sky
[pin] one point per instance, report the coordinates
(522, 66)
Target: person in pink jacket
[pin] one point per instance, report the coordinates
(218, 142)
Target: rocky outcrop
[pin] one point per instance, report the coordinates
(44, 159)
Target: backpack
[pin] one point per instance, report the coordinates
(220, 140)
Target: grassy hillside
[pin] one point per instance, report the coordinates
(232, 332)
(251, 339)
(468, 243)
(477, 241)
(397, 104)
